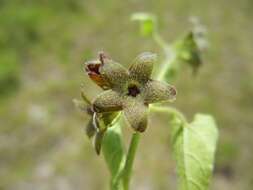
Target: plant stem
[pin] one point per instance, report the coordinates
(158, 39)
(170, 110)
(169, 55)
(129, 160)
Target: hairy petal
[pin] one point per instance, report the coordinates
(92, 69)
(98, 141)
(114, 73)
(156, 91)
(142, 66)
(107, 101)
(136, 114)
(90, 129)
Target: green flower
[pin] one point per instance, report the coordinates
(132, 90)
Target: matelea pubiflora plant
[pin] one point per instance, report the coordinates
(129, 93)
(132, 90)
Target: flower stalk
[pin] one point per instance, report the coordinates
(127, 172)
(171, 111)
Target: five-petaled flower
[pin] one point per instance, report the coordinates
(128, 90)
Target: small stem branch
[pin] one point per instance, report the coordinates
(158, 39)
(130, 159)
(169, 110)
(169, 55)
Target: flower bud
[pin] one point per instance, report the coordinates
(92, 68)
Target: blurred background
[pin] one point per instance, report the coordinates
(43, 45)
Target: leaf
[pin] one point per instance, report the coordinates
(147, 23)
(110, 118)
(114, 153)
(194, 147)
(187, 51)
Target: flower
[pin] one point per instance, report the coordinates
(129, 90)
(97, 123)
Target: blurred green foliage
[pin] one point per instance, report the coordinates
(9, 72)
(147, 23)
(41, 144)
(24, 26)
(189, 51)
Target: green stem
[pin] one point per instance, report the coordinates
(158, 39)
(129, 160)
(170, 110)
(169, 55)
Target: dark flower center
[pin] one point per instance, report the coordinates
(133, 90)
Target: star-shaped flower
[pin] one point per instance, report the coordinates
(128, 90)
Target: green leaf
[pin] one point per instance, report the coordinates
(114, 153)
(187, 51)
(147, 23)
(194, 147)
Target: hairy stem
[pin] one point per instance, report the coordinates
(127, 172)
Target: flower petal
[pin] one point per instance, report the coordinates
(90, 129)
(92, 69)
(156, 91)
(108, 101)
(136, 114)
(98, 141)
(114, 73)
(142, 66)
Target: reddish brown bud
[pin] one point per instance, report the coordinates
(92, 68)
